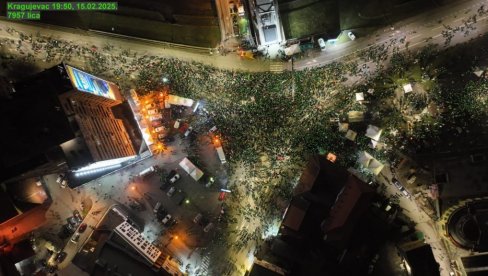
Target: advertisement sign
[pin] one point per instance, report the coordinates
(91, 84)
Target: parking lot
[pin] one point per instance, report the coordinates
(180, 235)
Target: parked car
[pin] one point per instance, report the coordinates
(396, 183)
(177, 123)
(77, 215)
(152, 112)
(166, 139)
(188, 131)
(208, 227)
(166, 219)
(75, 237)
(174, 178)
(64, 183)
(373, 263)
(82, 228)
(60, 178)
(156, 123)
(172, 222)
(156, 208)
(66, 231)
(73, 221)
(161, 213)
(61, 256)
(400, 187)
(155, 117)
(197, 218)
(159, 129)
(221, 196)
(171, 174)
(147, 171)
(213, 129)
(171, 191)
(321, 42)
(209, 181)
(52, 268)
(351, 35)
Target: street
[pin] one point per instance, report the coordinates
(100, 194)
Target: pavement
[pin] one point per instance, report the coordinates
(422, 221)
(231, 61)
(116, 188)
(419, 31)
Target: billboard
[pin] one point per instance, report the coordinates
(91, 84)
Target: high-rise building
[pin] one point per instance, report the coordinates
(104, 134)
(62, 119)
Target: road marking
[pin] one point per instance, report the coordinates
(417, 35)
(276, 67)
(435, 36)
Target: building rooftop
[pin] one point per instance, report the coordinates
(328, 225)
(117, 257)
(33, 123)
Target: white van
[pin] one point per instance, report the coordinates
(220, 153)
(155, 117)
(156, 208)
(147, 171)
(177, 124)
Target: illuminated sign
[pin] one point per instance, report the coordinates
(91, 84)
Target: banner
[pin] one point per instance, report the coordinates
(91, 84)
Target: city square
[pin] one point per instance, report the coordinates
(362, 150)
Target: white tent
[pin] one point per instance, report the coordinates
(373, 132)
(370, 163)
(177, 100)
(407, 88)
(355, 116)
(191, 169)
(360, 96)
(293, 49)
(375, 166)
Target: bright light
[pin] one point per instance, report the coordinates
(187, 201)
(272, 231)
(196, 106)
(93, 171)
(331, 157)
(165, 80)
(133, 188)
(176, 237)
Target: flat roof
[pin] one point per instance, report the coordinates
(33, 122)
(117, 255)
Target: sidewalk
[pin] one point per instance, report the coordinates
(423, 223)
(229, 62)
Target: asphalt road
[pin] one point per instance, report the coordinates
(419, 31)
(423, 222)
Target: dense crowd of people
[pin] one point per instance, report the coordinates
(269, 123)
